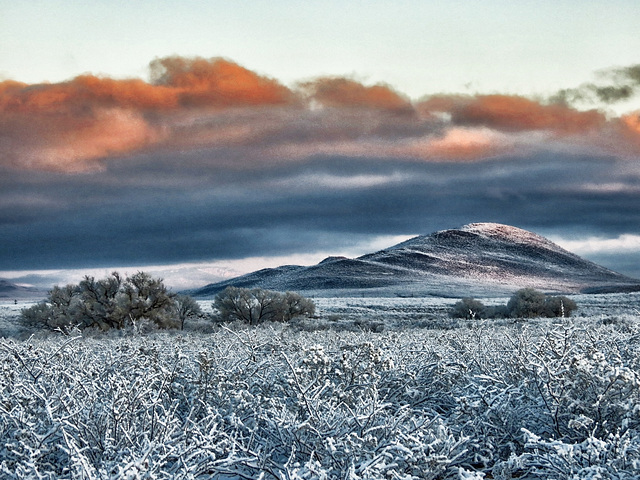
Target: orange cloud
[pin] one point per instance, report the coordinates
(514, 113)
(243, 117)
(462, 144)
(85, 93)
(71, 143)
(217, 82)
(178, 83)
(56, 126)
(632, 123)
(344, 92)
(629, 128)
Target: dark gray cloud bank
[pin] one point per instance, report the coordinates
(211, 162)
(146, 211)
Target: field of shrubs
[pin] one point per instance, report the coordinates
(343, 395)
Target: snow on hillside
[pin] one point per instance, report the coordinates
(485, 259)
(512, 234)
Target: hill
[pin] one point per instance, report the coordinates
(479, 259)
(9, 290)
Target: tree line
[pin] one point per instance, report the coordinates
(118, 302)
(525, 303)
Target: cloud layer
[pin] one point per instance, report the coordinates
(215, 104)
(210, 161)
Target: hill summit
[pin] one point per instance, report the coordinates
(478, 259)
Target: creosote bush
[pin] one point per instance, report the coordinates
(255, 306)
(525, 303)
(111, 303)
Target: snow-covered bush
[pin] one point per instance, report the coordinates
(255, 306)
(468, 308)
(525, 303)
(528, 303)
(559, 306)
(110, 303)
(536, 400)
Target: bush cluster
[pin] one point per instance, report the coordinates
(255, 306)
(525, 303)
(540, 401)
(111, 303)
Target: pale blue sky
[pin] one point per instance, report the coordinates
(419, 47)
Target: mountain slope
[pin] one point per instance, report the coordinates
(9, 290)
(480, 259)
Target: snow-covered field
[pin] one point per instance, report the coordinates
(421, 396)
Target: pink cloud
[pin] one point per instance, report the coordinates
(245, 118)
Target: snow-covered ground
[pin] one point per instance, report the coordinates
(403, 312)
(536, 399)
(391, 312)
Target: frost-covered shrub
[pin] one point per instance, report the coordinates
(255, 306)
(616, 457)
(468, 308)
(110, 303)
(525, 303)
(496, 311)
(531, 400)
(529, 303)
(559, 306)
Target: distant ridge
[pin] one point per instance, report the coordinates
(9, 290)
(479, 259)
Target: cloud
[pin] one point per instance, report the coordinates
(210, 163)
(512, 113)
(460, 143)
(65, 126)
(198, 82)
(167, 207)
(617, 85)
(333, 181)
(243, 119)
(176, 83)
(631, 127)
(548, 126)
(69, 144)
(345, 92)
(624, 243)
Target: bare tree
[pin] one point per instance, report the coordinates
(148, 297)
(187, 308)
(254, 306)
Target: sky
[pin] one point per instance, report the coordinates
(199, 140)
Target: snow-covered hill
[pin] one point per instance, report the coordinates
(9, 290)
(479, 259)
